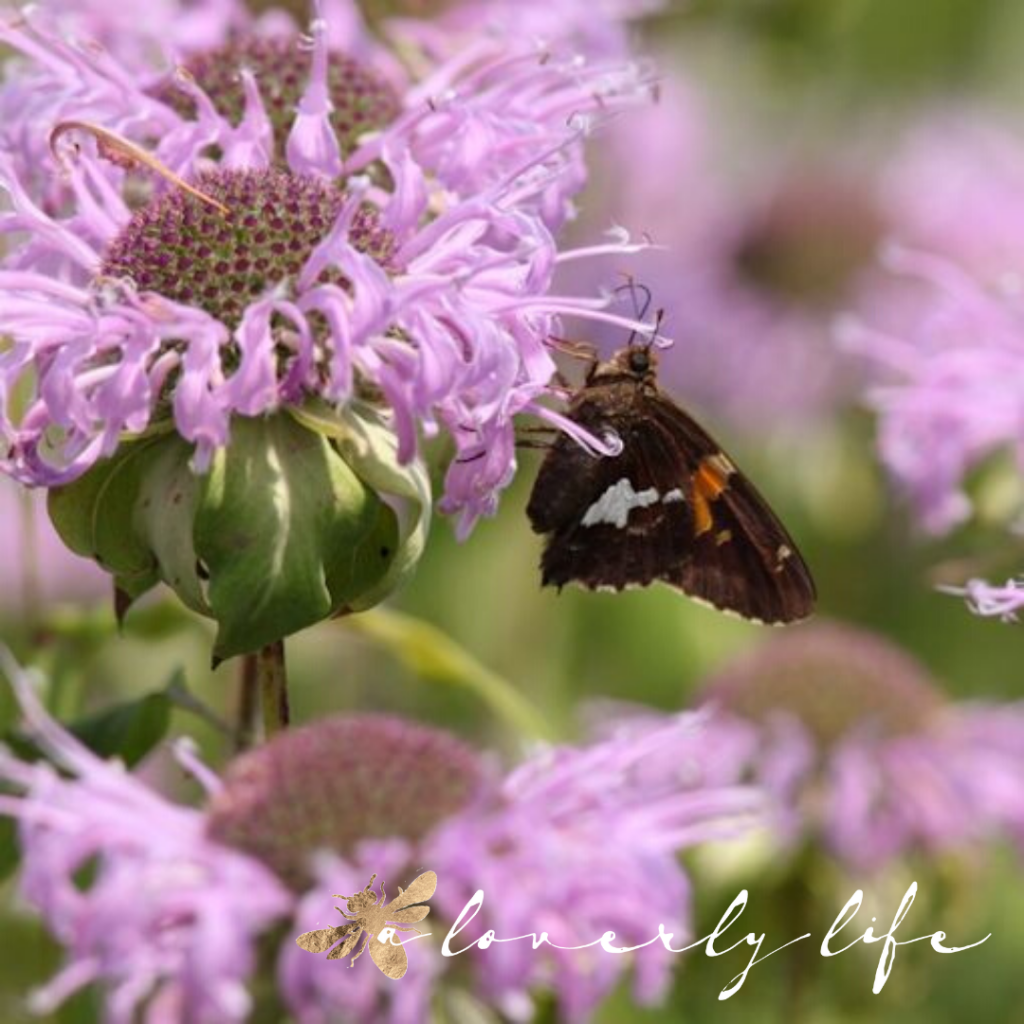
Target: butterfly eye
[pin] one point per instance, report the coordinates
(639, 360)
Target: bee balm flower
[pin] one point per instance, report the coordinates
(284, 281)
(181, 896)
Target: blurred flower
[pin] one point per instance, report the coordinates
(421, 277)
(750, 272)
(179, 896)
(571, 845)
(944, 340)
(37, 569)
(943, 337)
(860, 750)
(130, 885)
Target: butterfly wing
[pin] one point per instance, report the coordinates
(742, 558)
(390, 957)
(614, 522)
(670, 507)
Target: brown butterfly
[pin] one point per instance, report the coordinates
(369, 914)
(670, 507)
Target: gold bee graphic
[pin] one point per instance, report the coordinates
(370, 915)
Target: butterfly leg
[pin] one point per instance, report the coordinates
(382, 895)
(575, 349)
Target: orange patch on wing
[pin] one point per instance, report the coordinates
(709, 481)
(707, 485)
(703, 520)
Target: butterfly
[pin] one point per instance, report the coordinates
(671, 507)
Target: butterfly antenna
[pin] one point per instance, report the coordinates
(639, 308)
(659, 317)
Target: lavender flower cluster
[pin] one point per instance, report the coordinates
(346, 232)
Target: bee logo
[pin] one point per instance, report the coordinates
(369, 914)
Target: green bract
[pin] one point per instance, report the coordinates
(288, 526)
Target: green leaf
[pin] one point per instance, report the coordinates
(128, 731)
(166, 503)
(288, 534)
(95, 517)
(433, 655)
(368, 444)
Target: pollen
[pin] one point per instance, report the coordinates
(363, 102)
(186, 249)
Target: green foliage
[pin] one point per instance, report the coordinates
(279, 534)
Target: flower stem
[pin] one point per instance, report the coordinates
(246, 722)
(273, 686)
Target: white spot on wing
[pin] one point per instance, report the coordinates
(674, 495)
(615, 505)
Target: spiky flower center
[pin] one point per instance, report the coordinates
(834, 679)
(188, 250)
(362, 100)
(332, 784)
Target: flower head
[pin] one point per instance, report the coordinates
(285, 257)
(167, 915)
(339, 783)
(860, 750)
(180, 896)
(942, 337)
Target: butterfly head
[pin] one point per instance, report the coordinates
(638, 363)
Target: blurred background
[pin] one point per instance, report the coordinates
(763, 171)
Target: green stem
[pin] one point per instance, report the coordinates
(798, 911)
(247, 723)
(273, 686)
(433, 655)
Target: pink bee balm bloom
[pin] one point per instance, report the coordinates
(540, 850)
(942, 338)
(361, 245)
(181, 895)
(861, 752)
(170, 917)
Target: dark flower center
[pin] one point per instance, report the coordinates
(187, 250)
(362, 101)
(834, 679)
(809, 242)
(332, 784)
